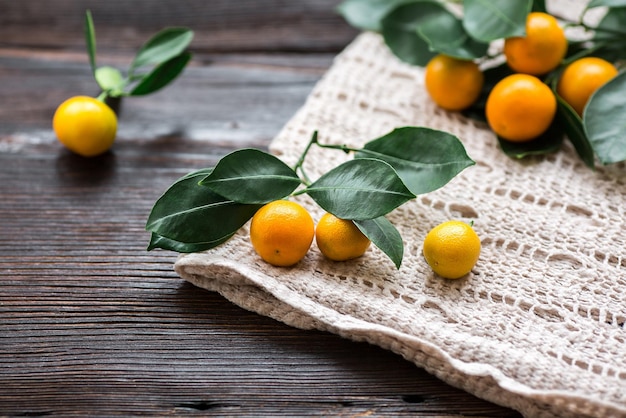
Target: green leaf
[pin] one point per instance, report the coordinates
(604, 123)
(192, 214)
(400, 31)
(385, 236)
(157, 241)
(573, 126)
(90, 40)
(445, 34)
(161, 75)
(539, 6)
(252, 176)
(165, 45)
(110, 80)
(425, 159)
(612, 27)
(488, 20)
(367, 14)
(548, 143)
(606, 3)
(360, 189)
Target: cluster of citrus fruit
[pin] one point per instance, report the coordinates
(521, 106)
(281, 232)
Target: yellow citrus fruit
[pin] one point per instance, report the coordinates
(582, 78)
(281, 232)
(85, 125)
(520, 107)
(453, 84)
(541, 49)
(452, 249)
(340, 239)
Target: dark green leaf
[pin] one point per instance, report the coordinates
(252, 176)
(385, 236)
(110, 80)
(90, 40)
(573, 126)
(607, 3)
(400, 31)
(539, 6)
(161, 75)
(609, 40)
(548, 143)
(157, 241)
(360, 189)
(488, 20)
(445, 34)
(612, 27)
(604, 122)
(367, 14)
(192, 214)
(425, 159)
(163, 46)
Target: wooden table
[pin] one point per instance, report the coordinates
(93, 324)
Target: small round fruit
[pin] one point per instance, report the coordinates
(340, 239)
(453, 84)
(452, 249)
(542, 48)
(85, 125)
(520, 107)
(281, 232)
(582, 78)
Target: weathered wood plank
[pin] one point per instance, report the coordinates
(93, 324)
(219, 25)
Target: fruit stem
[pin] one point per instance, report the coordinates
(348, 149)
(299, 165)
(103, 96)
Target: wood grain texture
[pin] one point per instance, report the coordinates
(220, 25)
(91, 324)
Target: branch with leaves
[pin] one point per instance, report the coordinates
(207, 207)
(157, 63)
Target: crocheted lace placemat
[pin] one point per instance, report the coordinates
(537, 326)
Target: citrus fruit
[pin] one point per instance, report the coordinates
(452, 249)
(85, 125)
(540, 50)
(453, 84)
(281, 232)
(340, 239)
(582, 78)
(520, 107)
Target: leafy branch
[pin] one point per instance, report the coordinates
(157, 63)
(417, 30)
(205, 208)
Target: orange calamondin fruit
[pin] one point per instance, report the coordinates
(541, 49)
(452, 249)
(85, 125)
(520, 107)
(281, 232)
(453, 84)
(582, 78)
(340, 239)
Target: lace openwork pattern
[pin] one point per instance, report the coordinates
(538, 325)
